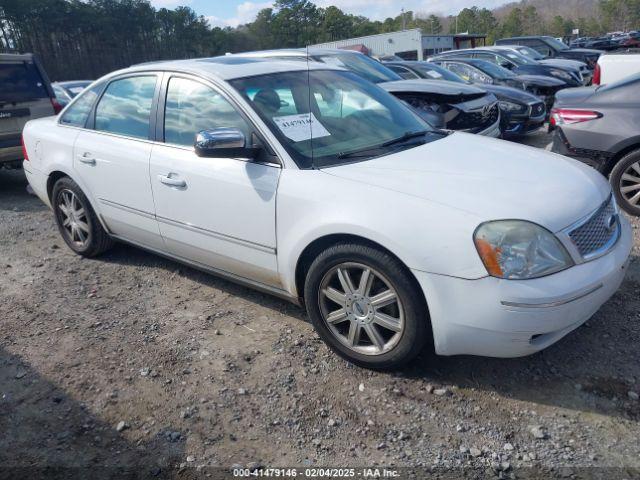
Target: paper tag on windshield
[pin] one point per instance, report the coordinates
(301, 127)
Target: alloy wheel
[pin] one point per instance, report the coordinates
(361, 308)
(73, 218)
(630, 184)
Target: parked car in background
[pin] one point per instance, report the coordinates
(521, 112)
(443, 105)
(25, 93)
(518, 64)
(582, 69)
(604, 43)
(480, 71)
(599, 126)
(552, 48)
(394, 236)
(612, 67)
(66, 91)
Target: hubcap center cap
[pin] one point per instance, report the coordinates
(360, 308)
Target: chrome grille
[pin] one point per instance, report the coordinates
(598, 233)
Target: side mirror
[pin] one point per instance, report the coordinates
(223, 143)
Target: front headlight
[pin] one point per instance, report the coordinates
(560, 74)
(511, 107)
(519, 250)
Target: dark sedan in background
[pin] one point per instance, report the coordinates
(517, 63)
(480, 71)
(521, 112)
(599, 126)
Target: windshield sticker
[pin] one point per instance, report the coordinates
(300, 127)
(434, 74)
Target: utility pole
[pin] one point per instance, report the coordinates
(456, 24)
(404, 20)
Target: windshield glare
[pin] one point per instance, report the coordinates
(322, 116)
(493, 70)
(531, 53)
(364, 66)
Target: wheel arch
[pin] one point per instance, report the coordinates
(313, 249)
(628, 147)
(56, 175)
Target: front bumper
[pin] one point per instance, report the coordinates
(509, 318)
(521, 124)
(493, 131)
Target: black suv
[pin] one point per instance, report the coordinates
(553, 48)
(25, 94)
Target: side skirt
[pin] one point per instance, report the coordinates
(217, 272)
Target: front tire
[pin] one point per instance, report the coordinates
(625, 181)
(366, 307)
(76, 220)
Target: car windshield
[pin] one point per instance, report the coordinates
(436, 72)
(493, 70)
(329, 117)
(518, 58)
(531, 53)
(557, 44)
(366, 67)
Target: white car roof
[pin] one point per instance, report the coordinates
(229, 67)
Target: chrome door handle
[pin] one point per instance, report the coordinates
(87, 158)
(173, 182)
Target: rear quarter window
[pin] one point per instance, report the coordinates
(21, 82)
(76, 115)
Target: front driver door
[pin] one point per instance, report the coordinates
(216, 212)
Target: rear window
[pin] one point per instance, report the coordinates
(20, 82)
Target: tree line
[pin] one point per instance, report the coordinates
(79, 39)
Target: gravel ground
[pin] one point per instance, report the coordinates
(134, 362)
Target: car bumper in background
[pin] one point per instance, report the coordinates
(510, 318)
(598, 159)
(514, 125)
(493, 131)
(10, 154)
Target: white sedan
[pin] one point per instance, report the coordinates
(393, 235)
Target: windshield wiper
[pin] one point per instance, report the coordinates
(368, 151)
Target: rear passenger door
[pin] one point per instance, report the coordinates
(112, 157)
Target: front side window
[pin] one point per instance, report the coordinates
(192, 107)
(125, 107)
(76, 115)
(331, 117)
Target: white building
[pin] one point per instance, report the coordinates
(408, 44)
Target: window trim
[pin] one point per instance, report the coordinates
(91, 119)
(158, 133)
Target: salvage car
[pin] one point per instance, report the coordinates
(518, 64)
(393, 235)
(554, 48)
(520, 112)
(582, 69)
(25, 93)
(444, 105)
(599, 126)
(480, 71)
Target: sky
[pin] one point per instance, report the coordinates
(235, 12)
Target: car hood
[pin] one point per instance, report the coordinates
(540, 80)
(574, 96)
(509, 93)
(584, 50)
(438, 87)
(563, 63)
(488, 178)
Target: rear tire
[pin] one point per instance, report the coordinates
(625, 181)
(77, 222)
(364, 304)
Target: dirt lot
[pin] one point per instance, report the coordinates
(133, 363)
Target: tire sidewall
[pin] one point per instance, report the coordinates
(616, 176)
(415, 332)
